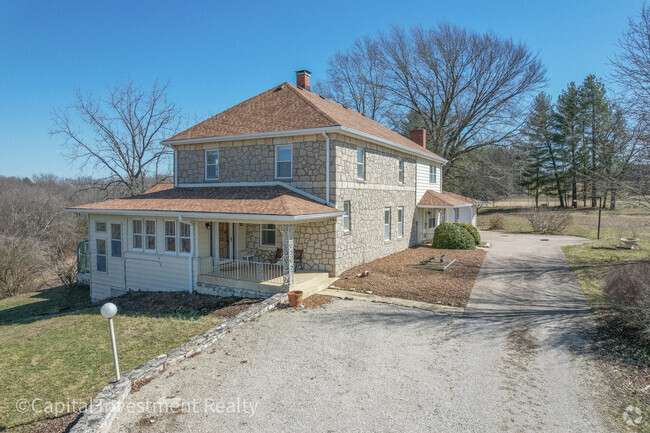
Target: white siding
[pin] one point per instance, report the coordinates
(156, 272)
(422, 179)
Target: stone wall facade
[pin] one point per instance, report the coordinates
(254, 161)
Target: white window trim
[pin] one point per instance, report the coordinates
(179, 238)
(205, 168)
(389, 223)
(97, 254)
(109, 226)
(400, 171)
(276, 237)
(432, 174)
(347, 215)
(277, 147)
(400, 224)
(134, 234)
(105, 225)
(166, 236)
(145, 235)
(362, 163)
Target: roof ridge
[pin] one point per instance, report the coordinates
(318, 110)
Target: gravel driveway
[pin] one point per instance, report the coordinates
(516, 361)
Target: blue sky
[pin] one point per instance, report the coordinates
(216, 54)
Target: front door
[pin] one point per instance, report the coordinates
(224, 241)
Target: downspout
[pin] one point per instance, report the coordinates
(189, 259)
(327, 168)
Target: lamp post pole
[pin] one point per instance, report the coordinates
(600, 210)
(109, 311)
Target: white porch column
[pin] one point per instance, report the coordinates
(287, 252)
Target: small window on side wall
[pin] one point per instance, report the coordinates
(400, 222)
(387, 224)
(400, 176)
(346, 216)
(433, 174)
(268, 235)
(101, 255)
(283, 162)
(211, 164)
(361, 163)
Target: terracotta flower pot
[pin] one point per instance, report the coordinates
(295, 298)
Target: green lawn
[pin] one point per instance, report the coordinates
(56, 353)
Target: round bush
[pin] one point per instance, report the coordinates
(472, 231)
(452, 237)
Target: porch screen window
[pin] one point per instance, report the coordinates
(283, 162)
(346, 216)
(268, 235)
(100, 226)
(212, 164)
(433, 174)
(432, 220)
(387, 224)
(185, 238)
(137, 234)
(101, 255)
(150, 235)
(116, 241)
(361, 163)
(456, 215)
(400, 222)
(170, 236)
(401, 171)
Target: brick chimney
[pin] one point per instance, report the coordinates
(302, 79)
(419, 136)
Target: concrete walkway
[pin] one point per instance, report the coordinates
(517, 360)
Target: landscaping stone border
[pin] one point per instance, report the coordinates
(99, 415)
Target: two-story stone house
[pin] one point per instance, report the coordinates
(285, 188)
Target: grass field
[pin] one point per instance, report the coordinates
(56, 353)
(625, 356)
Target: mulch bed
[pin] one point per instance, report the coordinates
(394, 276)
(55, 425)
(313, 301)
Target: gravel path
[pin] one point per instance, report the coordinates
(516, 361)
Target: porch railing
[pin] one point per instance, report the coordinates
(241, 269)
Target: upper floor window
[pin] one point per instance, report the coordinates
(346, 216)
(387, 224)
(400, 177)
(116, 240)
(400, 222)
(361, 163)
(283, 161)
(100, 226)
(211, 164)
(433, 174)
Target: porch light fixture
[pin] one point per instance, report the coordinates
(109, 310)
(208, 225)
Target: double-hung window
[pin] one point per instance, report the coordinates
(150, 235)
(400, 176)
(387, 224)
(432, 220)
(170, 236)
(400, 222)
(346, 216)
(137, 235)
(116, 240)
(361, 163)
(185, 238)
(283, 162)
(101, 255)
(433, 173)
(211, 165)
(267, 235)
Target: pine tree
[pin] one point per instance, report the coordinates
(568, 128)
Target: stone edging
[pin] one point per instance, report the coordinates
(98, 417)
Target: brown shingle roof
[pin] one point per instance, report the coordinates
(433, 198)
(287, 107)
(256, 200)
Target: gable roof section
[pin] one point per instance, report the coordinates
(445, 199)
(271, 200)
(287, 108)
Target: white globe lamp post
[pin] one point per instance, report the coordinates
(109, 310)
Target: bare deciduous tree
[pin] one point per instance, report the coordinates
(119, 135)
(469, 89)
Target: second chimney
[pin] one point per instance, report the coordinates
(419, 137)
(302, 79)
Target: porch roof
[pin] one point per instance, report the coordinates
(445, 199)
(273, 202)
